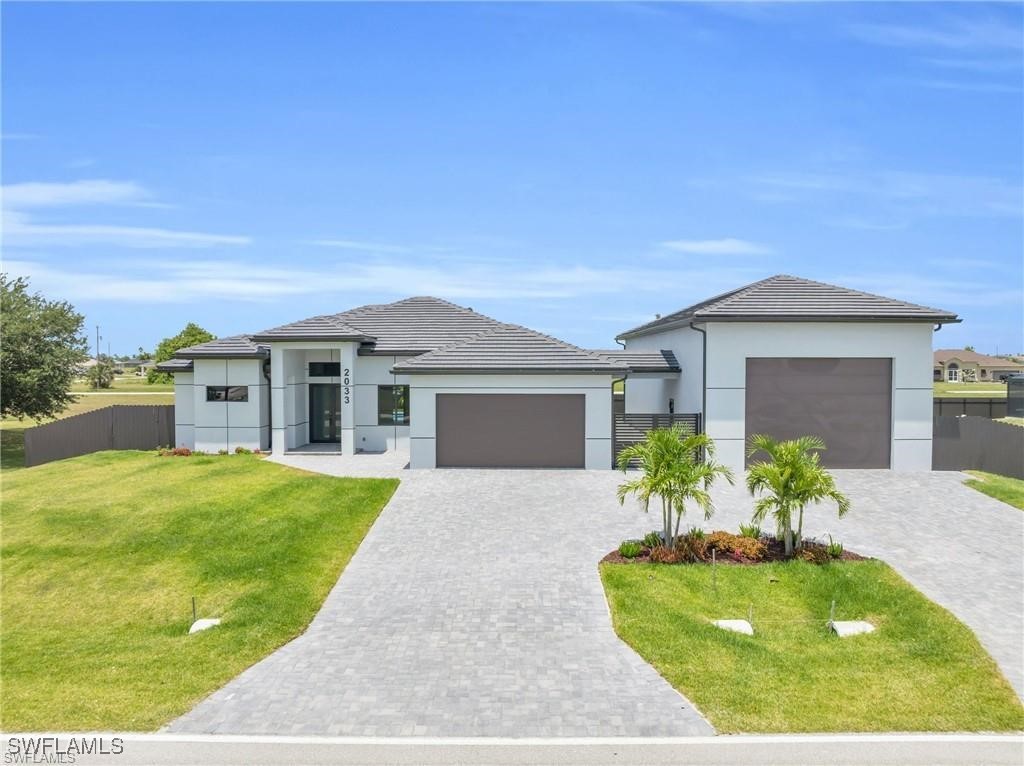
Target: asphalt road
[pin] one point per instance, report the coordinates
(878, 750)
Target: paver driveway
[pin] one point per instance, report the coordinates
(473, 607)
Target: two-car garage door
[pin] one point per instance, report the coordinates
(510, 430)
(845, 401)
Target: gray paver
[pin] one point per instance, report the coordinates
(473, 607)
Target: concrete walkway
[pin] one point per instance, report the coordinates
(473, 607)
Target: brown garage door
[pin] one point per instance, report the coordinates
(510, 430)
(846, 402)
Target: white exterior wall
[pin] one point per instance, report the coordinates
(226, 425)
(184, 411)
(909, 345)
(651, 395)
(373, 371)
(596, 388)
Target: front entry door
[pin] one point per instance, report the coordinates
(324, 413)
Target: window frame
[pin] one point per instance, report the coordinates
(336, 366)
(382, 417)
(227, 394)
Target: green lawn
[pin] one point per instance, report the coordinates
(922, 670)
(102, 554)
(125, 383)
(1010, 491)
(12, 431)
(990, 390)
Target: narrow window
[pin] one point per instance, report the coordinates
(227, 393)
(324, 369)
(392, 405)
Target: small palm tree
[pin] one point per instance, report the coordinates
(789, 481)
(677, 468)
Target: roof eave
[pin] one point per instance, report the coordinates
(507, 371)
(225, 355)
(314, 338)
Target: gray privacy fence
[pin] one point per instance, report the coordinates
(978, 443)
(120, 426)
(985, 408)
(632, 428)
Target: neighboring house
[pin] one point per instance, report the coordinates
(453, 387)
(955, 365)
(137, 366)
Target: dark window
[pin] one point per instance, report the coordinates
(324, 369)
(227, 393)
(392, 405)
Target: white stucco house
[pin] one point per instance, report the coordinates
(455, 388)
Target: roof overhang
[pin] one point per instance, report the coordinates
(850, 319)
(396, 370)
(314, 337)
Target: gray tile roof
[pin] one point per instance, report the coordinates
(509, 348)
(232, 347)
(787, 298)
(416, 325)
(174, 365)
(326, 327)
(643, 361)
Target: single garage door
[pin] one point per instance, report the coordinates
(846, 402)
(510, 430)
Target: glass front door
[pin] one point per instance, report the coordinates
(324, 413)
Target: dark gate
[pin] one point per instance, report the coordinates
(631, 428)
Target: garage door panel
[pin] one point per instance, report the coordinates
(847, 402)
(511, 430)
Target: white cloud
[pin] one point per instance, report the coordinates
(351, 244)
(952, 33)
(184, 281)
(727, 246)
(36, 194)
(20, 229)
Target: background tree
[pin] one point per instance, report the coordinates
(968, 348)
(100, 375)
(42, 348)
(791, 479)
(143, 355)
(190, 336)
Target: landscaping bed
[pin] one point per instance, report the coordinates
(730, 549)
(103, 553)
(921, 670)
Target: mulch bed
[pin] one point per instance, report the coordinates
(776, 551)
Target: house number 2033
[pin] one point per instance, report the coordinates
(346, 382)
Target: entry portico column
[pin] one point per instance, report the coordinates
(278, 430)
(348, 394)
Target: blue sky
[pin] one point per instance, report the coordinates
(574, 168)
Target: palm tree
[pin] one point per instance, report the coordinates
(677, 468)
(789, 481)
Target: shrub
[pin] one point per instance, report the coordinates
(750, 530)
(652, 539)
(176, 452)
(737, 547)
(834, 548)
(813, 553)
(240, 450)
(692, 546)
(630, 549)
(663, 555)
(222, 452)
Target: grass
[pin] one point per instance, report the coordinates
(12, 430)
(991, 390)
(124, 384)
(102, 554)
(922, 670)
(1010, 491)
(1011, 421)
